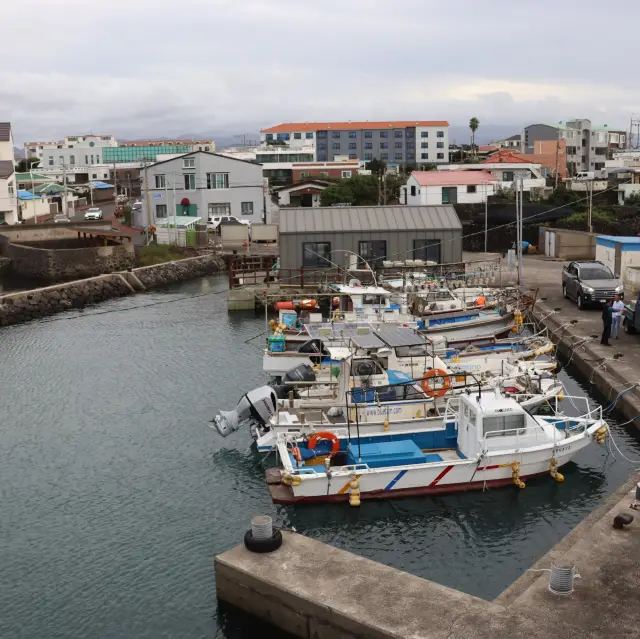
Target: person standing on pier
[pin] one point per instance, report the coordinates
(617, 308)
(607, 319)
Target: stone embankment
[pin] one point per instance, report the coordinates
(40, 302)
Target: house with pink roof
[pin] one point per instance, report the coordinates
(434, 188)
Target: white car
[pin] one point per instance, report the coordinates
(60, 218)
(93, 213)
(214, 221)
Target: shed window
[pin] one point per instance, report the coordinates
(372, 251)
(427, 250)
(316, 254)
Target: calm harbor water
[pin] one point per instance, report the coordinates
(116, 494)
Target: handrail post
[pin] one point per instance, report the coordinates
(302, 277)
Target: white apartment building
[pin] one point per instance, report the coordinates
(8, 189)
(434, 188)
(73, 151)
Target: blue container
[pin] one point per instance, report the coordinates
(361, 395)
(276, 344)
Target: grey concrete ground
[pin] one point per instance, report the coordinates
(314, 590)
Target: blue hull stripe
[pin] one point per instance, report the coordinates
(395, 480)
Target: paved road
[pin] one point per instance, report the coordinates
(107, 211)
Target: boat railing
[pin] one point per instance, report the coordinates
(575, 401)
(524, 436)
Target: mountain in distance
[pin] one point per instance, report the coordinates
(18, 153)
(485, 133)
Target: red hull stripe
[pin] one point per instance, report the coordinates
(440, 476)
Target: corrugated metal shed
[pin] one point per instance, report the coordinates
(345, 219)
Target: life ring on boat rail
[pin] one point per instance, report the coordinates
(324, 434)
(430, 374)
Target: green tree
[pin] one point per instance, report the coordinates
(474, 123)
(25, 164)
(359, 190)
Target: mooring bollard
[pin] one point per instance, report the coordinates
(262, 537)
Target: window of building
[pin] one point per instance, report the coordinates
(246, 208)
(424, 145)
(428, 250)
(316, 254)
(297, 136)
(94, 176)
(410, 133)
(398, 156)
(372, 251)
(352, 145)
(411, 156)
(384, 145)
(368, 157)
(189, 181)
(219, 209)
(283, 136)
(61, 159)
(335, 146)
(309, 135)
(368, 145)
(353, 134)
(97, 159)
(440, 145)
(189, 163)
(303, 174)
(322, 146)
(346, 174)
(322, 135)
(440, 134)
(353, 156)
(335, 135)
(105, 137)
(51, 160)
(324, 174)
(398, 134)
(10, 188)
(471, 188)
(384, 134)
(411, 145)
(507, 176)
(413, 189)
(217, 180)
(424, 156)
(424, 134)
(92, 162)
(368, 134)
(72, 159)
(160, 182)
(398, 145)
(449, 194)
(72, 139)
(269, 137)
(86, 160)
(206, 148)
(440, 156)
(384, 156)
(161, 210)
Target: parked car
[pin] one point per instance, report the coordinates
(60, 218)
(214, 222)
(94, 213)
(590, 282)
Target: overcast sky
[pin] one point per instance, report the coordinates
(143, 68)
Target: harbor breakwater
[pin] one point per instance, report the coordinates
(41, 302)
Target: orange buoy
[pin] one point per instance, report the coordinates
(430, 374)
(285, 306)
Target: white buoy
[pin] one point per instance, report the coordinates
(262, 527)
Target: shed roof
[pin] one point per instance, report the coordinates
(6, 168)
(345, 219)
(36, 177)
(452, 178)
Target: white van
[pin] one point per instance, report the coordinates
(585, 175)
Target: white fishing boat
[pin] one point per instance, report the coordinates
(489, 441)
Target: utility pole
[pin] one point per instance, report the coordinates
(557, 153)
(33, 192)
(115, 181)
(486, 216)
(519, 214)
(146, 199)
(64, 185)
(590, 190)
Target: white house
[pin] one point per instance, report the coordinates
(203, 184)
(303, 194)
(8, 189)
(506, 173)
(433, 188)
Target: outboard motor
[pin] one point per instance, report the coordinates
(316, 347)
(258, 405)
(283, 391)
(301, 373)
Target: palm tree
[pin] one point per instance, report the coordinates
(474, 123)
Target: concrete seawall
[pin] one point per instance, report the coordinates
(41, 302)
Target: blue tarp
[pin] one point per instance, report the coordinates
(100, 185)
(27, 195)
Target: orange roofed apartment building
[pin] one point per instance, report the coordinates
(395, 142)
(546, 153)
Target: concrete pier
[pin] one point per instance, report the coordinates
(315, 591)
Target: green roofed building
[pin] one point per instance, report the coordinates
(139, 153)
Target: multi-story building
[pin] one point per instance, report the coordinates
(82, 144)
(587, 146)
(192, 145)
(393, 142)
(8, 188)
(203, 184)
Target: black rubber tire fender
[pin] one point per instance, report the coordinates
(263, 545)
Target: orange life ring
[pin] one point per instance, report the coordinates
(430, 374)
(324, 434)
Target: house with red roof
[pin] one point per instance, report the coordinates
(434, 188)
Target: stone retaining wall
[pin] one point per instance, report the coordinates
(40, 302)
(187, 269)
